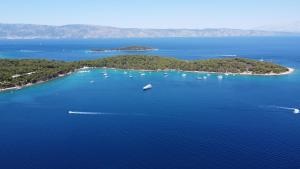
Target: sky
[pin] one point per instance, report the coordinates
(244, 14)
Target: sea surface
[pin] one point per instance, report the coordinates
(87, 121)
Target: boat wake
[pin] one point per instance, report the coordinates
(295, 110)
(91, 113)
(105, 113)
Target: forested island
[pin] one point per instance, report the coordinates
(17, 73)
(129, 48)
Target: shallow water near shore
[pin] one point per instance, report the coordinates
(181, 122)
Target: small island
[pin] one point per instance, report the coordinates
(18, 73)
(128, 49)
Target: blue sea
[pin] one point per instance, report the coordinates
(86, 121)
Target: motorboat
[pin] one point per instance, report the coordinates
(147, 87)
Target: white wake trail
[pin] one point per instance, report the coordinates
(105, 113)
(91, 113)
(295, 110)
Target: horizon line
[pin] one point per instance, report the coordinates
(120, 27)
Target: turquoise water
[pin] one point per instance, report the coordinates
(236, 122)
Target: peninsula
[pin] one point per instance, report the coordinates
(17, 73)
(129, 49)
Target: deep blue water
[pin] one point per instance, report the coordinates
(182, 123)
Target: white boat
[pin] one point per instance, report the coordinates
(105, 75)
(125, 73)
(143, 74)
(204, 77)
(183, 75)
(165, 73)
(220, 77)
(296, 111)
(130, 76)
(147, 87)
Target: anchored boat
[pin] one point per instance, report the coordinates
(220, 77)
(147, 87)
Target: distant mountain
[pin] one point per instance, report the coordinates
(288, 27)
(29, 31)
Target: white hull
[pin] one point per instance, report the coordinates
(147, 87)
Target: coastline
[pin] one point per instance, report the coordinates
(290, 70)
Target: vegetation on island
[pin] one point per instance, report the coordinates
(129, 48)
(20, 72)
(222, 65)
(14, 72)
